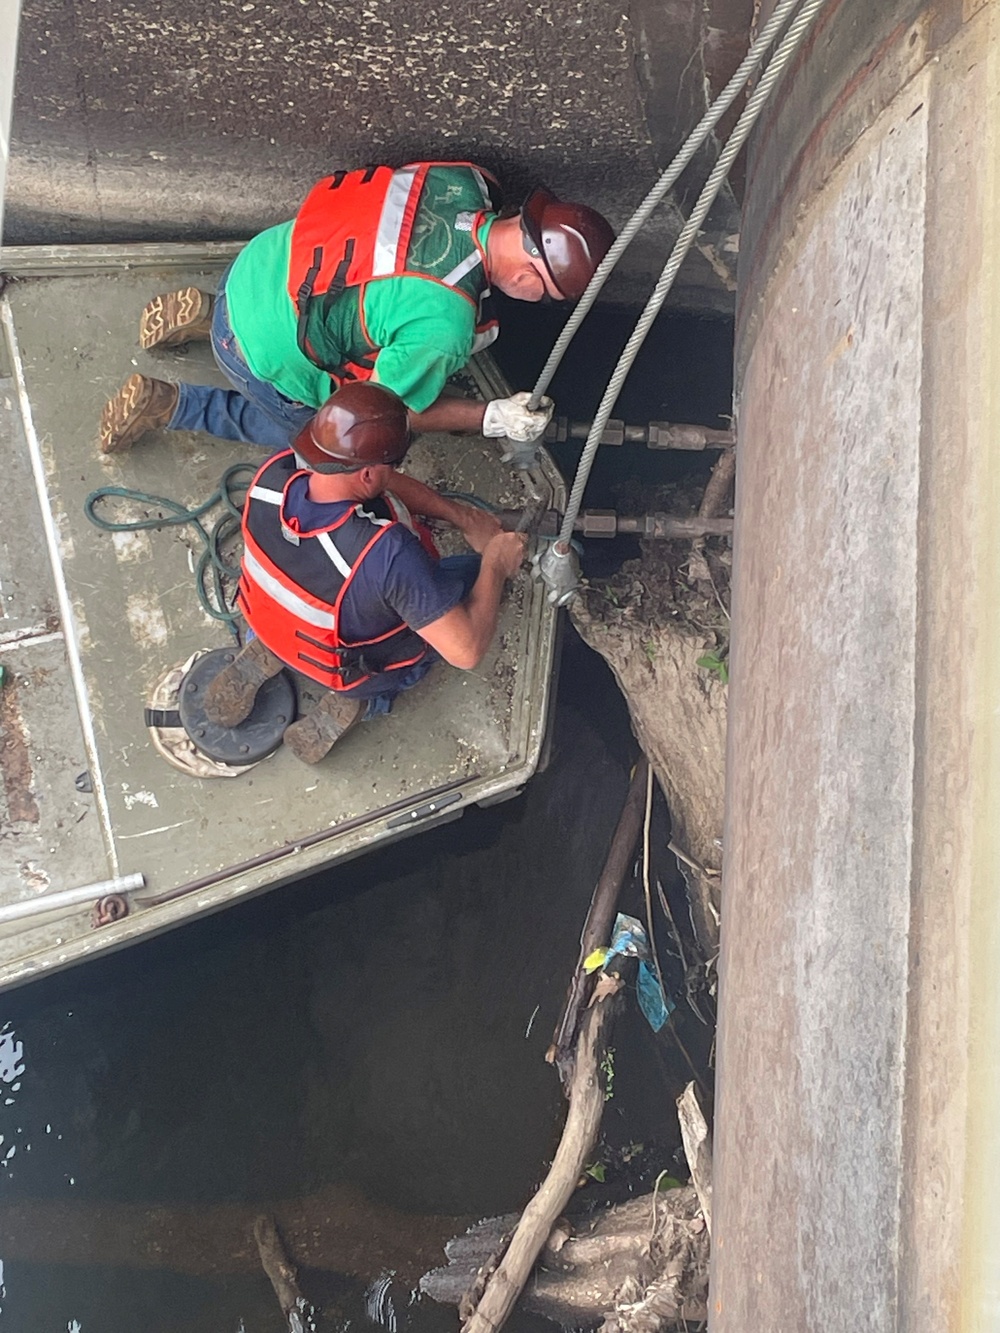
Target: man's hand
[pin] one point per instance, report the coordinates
(463, 634)
(506, 552)
(511, 417)
(477, 526)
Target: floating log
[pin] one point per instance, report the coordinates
(283, 1276)
(597, 927)
(583, 1120)
(653, 1247)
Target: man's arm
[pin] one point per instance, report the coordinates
(425, 333)
(463, 634)
(501, 416)
(450, 413)
(476, 525)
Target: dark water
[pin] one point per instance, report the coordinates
(380, 1028)
(683, 372)
(362, 1051)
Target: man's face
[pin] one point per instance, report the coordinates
(530, 282)
(376, 479)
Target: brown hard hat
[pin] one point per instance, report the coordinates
(361, 425)
(570, 239)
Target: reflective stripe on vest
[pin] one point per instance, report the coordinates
(391, 222)
(460, 270)
(335, 557)
(293, 605)
(355, 227)
(291, 601)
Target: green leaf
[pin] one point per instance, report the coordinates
(663, 1181)
(595, 1171)
(716, 665)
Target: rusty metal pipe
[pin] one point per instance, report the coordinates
(655, 434)
(67, 898)
(606, 523)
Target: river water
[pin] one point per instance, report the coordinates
(360, 1053)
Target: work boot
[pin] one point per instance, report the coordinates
(176, 318)
(141, 404)
(229, 698)
(313, 737)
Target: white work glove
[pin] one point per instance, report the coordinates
(511, 417)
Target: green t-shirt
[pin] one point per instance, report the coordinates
(424, 330)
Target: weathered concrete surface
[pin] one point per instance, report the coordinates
(9, 19)
(856, 1139)
(181, 121)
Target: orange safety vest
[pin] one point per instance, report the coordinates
(355, 227)
(292, 583)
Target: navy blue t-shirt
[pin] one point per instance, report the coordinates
(397, 580)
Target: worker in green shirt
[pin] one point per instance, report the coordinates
(384, 274)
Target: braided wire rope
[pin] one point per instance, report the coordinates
(755, 104)
(755, 54)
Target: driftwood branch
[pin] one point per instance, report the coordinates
(614, 1265)
(597, 927)
(583, 1120)
(697, 1148)
(283, 1275)
(716, 497)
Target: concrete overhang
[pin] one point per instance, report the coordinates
(181, 122)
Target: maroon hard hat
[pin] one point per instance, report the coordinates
(570, 239)
(361, 425)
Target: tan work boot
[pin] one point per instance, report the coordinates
(313, 737)
(141, 404)
(176, 318)
(229, 699)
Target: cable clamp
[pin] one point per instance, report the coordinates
(559, 571)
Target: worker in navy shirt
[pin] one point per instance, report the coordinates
(340, 582)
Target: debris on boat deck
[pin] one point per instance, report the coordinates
(92, 621)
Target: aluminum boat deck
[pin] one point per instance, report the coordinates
(90, 620)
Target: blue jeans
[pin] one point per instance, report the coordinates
(253, 411)
(467, 568)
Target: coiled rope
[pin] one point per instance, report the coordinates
(211, 566)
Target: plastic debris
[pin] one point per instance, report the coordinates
(629, 940)
(595, 960)
(656, 1007)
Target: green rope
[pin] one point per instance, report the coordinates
(210, 562)
(468, 498)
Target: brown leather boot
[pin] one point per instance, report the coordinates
(141, 404)
(176, 318)
(229, 699)
(313, 737)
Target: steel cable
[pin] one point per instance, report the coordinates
(755, 54)
(787, 48)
